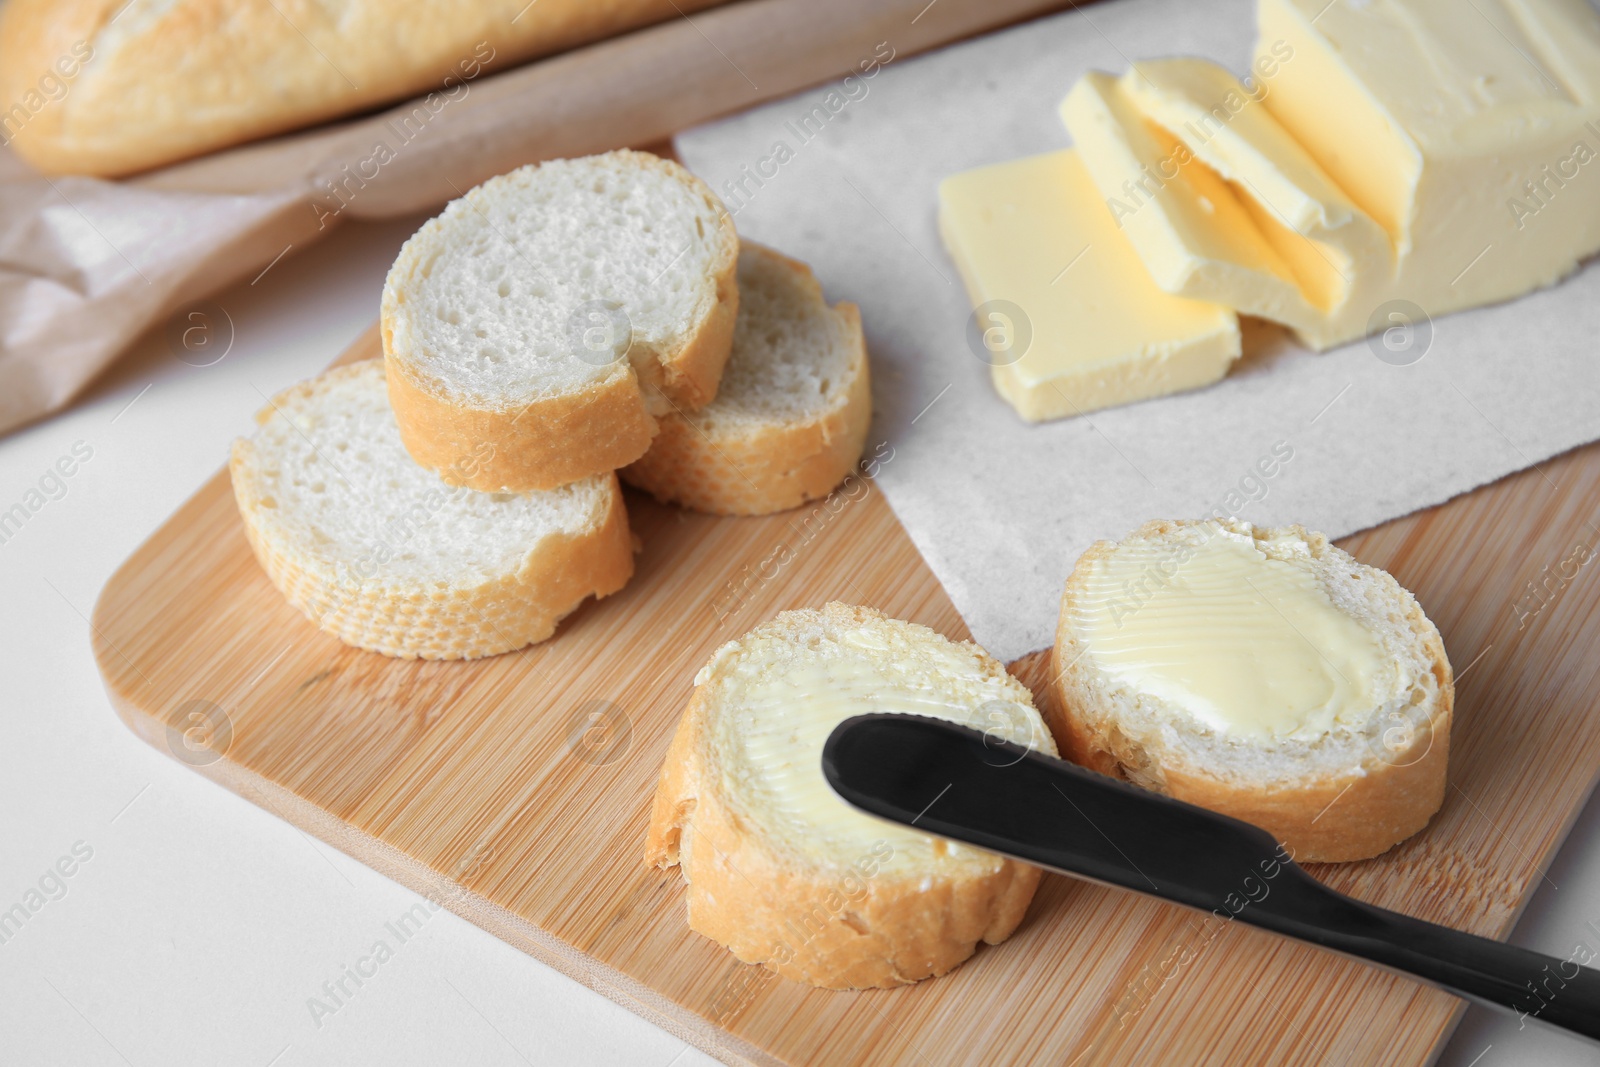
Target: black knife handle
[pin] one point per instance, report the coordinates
(948, 780)
(1530, 984)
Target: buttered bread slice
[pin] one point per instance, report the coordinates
(791, 413)
(783, 872)
(1263, 673)
(383, 555)
(535, 330)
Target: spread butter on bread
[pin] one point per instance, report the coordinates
(1263, 673)
(783, 872)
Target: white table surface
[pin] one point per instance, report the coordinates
(201, 925)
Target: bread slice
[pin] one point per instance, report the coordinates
(792, 411)
(783, 872)
(384, 556)
(1343, 779)
(552, 313)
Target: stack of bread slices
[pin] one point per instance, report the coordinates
(554, 327)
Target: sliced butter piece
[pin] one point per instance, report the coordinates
(1194, 236)
(1469, 132)
(1034, 233)
(1341, 258)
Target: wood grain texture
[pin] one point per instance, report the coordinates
(478, 785)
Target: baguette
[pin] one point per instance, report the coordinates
(792, 410)
(553, 313)
(783, 872)
(108, 88)
(386, 557)
(1333, 728)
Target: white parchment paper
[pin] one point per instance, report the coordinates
(1000, 509)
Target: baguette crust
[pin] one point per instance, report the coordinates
(427, 622)
(556, 440)
(194, 76)
(757, 469)
(690, 373)
(803, 922)
(562, 437)
(1374, 811)
(1354, 813)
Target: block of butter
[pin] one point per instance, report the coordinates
(1191, 231)
(1342, 260)
(1067, 316)
(1468, 131)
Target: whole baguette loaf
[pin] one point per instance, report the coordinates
(109, 87)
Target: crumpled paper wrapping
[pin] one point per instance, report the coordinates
(87, 265)
(1002, 510)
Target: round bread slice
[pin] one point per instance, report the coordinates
(783, 872)
(791, 414)
(552, 313)
(1262, 673)
(383, 555)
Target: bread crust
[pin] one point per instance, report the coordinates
(554, 441)
(830, 931)
(422, 622)
(691, 373)
(563, 437)
(210, 73)
(773, 466)
(1355, 814)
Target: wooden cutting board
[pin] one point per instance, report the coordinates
(515, 790)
